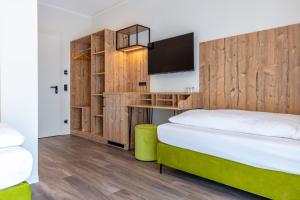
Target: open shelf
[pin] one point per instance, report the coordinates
(98, 82)
(80, 119)
(81, 49)
(172, 101)
(98, 42)
(98, 126)
(80, 85)
(98, 63)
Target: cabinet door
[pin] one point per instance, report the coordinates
(107, 123)
(115, 121)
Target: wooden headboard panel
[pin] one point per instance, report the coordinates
(258, 71)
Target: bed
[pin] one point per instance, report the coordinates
(256, 152)
(16, 165)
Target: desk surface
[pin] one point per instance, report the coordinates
(156, 107)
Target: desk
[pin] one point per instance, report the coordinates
(149, 113)
(123, 110)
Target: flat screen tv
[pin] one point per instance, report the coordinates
(171, 55)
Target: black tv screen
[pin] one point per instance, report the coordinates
(171, 55)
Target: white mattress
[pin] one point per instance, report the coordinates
(265, 152)
(15, 166)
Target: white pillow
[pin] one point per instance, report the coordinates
(260, 123)
(10, 137)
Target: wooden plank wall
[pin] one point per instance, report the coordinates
(124, 70)
(137, 70)
(258, 71)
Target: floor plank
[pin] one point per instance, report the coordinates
(72, 168)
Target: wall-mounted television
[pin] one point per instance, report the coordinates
(171, 55)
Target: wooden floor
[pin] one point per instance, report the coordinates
(71, 168)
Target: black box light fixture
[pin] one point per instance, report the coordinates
(133, 38)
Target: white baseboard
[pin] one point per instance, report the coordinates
(52, 135)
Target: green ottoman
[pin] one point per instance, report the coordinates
(145, 142)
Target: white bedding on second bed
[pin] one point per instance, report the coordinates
(259, 151)
(15, 166)
(9, 136)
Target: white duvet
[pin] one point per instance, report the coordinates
(15, 166)
(273, 153)
(15, 161)
(259, 123)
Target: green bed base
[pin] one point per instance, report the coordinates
(262, 182)
(18, 192)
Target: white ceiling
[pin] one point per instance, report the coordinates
(83, 7)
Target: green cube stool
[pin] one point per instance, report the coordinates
(146, 142)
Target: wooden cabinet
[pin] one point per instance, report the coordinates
(88, 55)
(114, 115)
(116, 124)
(104, 82)
(97, 68)
(116, 119)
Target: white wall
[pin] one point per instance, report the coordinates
(66, 26)
(19, 71)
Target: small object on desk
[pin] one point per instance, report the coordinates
(190, 90)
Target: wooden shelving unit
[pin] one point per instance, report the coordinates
(96, 68)
(105, 83)
(80, 85)
(98, 82)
